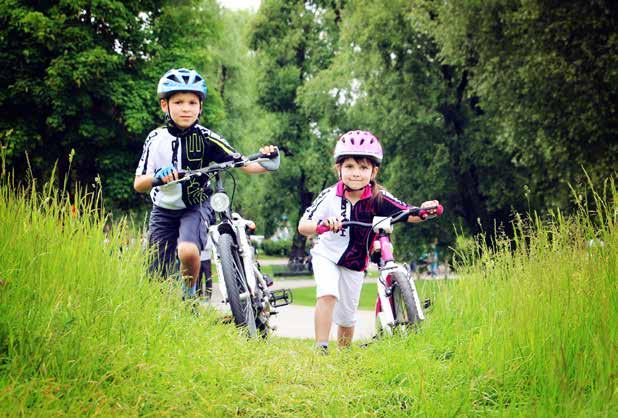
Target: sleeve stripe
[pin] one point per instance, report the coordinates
(311, 209)
(222, 144)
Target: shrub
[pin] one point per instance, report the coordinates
(279, 247)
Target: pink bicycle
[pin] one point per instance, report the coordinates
(398, 305)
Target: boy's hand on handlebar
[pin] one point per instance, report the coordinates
(271, 152)
(166, 174)
(268, 150)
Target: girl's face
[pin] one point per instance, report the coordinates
(357, 174)
(184, 108)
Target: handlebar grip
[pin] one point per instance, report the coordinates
(260, 155)
(159, 182)
(429, 213)
(320, 229)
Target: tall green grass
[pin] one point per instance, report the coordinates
(528, 330)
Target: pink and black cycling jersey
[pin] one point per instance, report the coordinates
(348, 247)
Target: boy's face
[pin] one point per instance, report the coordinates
(184, 108)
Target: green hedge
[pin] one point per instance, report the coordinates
(280, 247)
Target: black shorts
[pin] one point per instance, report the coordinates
(167, 228)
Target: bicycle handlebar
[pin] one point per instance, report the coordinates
(423, 213)
(238, 161)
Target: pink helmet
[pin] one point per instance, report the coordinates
(358, 144)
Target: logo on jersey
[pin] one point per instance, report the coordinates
(194, 149)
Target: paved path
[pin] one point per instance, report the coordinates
(296, 321)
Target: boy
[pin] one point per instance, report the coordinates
(182, 144)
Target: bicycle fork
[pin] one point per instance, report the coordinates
(385, 316)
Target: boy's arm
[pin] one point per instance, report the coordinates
(143, 184)
(253, 168)
(257, 168)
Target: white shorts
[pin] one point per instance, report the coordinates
(343, 283)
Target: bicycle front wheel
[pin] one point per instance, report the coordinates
(405, 308)
(238, 294)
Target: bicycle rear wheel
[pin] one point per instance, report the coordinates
(406, 310)
(238, 294)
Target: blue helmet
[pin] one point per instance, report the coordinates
(181, 80)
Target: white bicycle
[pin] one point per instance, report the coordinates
(242, 284)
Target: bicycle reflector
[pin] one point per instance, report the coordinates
(220, 202)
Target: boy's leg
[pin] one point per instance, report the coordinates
(326, 275)
(189, 256)
(350, 287)
(190, 243)
(163, 235)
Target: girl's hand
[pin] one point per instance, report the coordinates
(430, 204)
(333, 223)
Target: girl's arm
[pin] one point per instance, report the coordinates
(307, 227)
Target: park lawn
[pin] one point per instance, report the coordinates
(427, 289)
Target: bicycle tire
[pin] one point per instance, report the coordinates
(405, 310)
(236, 285)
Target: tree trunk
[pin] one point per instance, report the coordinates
(306, 197)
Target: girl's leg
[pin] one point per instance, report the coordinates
(350, 287)
(345, 335)
(326, 275)
(324, 317)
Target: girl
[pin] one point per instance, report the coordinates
(340, 256)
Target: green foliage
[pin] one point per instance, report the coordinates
(546, 75)
(279, 247)
(82, 76)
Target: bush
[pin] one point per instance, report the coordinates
(279, 247)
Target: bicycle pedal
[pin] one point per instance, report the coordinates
(280, 297)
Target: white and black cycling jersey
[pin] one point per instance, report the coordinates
(348, 247)
(187, 150)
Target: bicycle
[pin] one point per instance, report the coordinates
(398, 305)
(243, 286)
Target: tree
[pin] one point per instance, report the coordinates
(293, 41)
(81, 75)
(545, 74)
